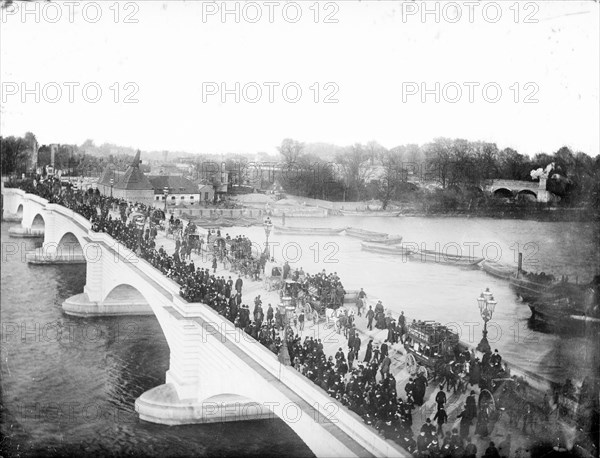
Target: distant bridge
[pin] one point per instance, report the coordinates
(515, 188)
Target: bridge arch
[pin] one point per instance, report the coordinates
(70, 245)
(38, 222)
(134, 295)
(125, 292)
(503, 193)
(20, 210)
(527, 194)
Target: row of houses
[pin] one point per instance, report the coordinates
(133, 185)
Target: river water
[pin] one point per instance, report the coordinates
(69, 384)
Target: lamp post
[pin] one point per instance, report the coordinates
(487, 305)
(139, 223)
(268, 225)
(112, 183)
(166, 194)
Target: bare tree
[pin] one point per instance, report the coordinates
(356, 167)
(291, 150)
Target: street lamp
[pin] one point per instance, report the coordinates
(487, 305)
(166, 194)
(268, 225)
(140, 223)
(112, 183)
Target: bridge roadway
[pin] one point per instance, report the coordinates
(217, 372)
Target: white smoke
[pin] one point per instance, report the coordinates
(542, 173)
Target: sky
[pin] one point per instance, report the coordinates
(183, 76)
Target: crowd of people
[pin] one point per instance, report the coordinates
(366, 386)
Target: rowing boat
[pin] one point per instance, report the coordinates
(497, 269)
(363, 234)
(445, 258)
(308, 230)
(368, 213)
(386, 249)
(386, 241)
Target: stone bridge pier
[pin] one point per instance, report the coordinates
(31, 218)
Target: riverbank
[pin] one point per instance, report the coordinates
(294, 206)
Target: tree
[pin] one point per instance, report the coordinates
(373, 150)
(13, 155)
(439, 158)
(391, 178)
(290, 150)
(356, 168)
(512, 165)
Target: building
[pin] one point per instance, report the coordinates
(207, 192)
(181, 190)
(131, 185)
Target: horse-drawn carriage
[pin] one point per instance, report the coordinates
(430, 346)
(157, 217)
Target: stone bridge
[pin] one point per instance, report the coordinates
(515, 188)
(216, 372)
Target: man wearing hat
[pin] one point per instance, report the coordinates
(440, 398)
(496, 359)
(370, 315)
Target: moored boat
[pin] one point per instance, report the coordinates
(445, 258)
(369, 213)
(498, 269)
(531, 286)
(308, 230)
(386, 241)
(581, 309)
(364, 234)
(387, 249)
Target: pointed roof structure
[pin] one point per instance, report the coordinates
(132, 179)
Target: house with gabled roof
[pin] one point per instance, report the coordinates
(180, 190)
(132, 184)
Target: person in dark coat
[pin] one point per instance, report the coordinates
(465, 423)
(440, 398)
(491, 451)
(471, 405)
(376, 355)
(420, 387)
(356, 346)
(350, 358)
(384, 350)
(370, 315)
(385, 366)
(442, 417)
(474, 372)
(402, 326)
(369, 351)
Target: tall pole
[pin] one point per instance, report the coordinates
(487, 305)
